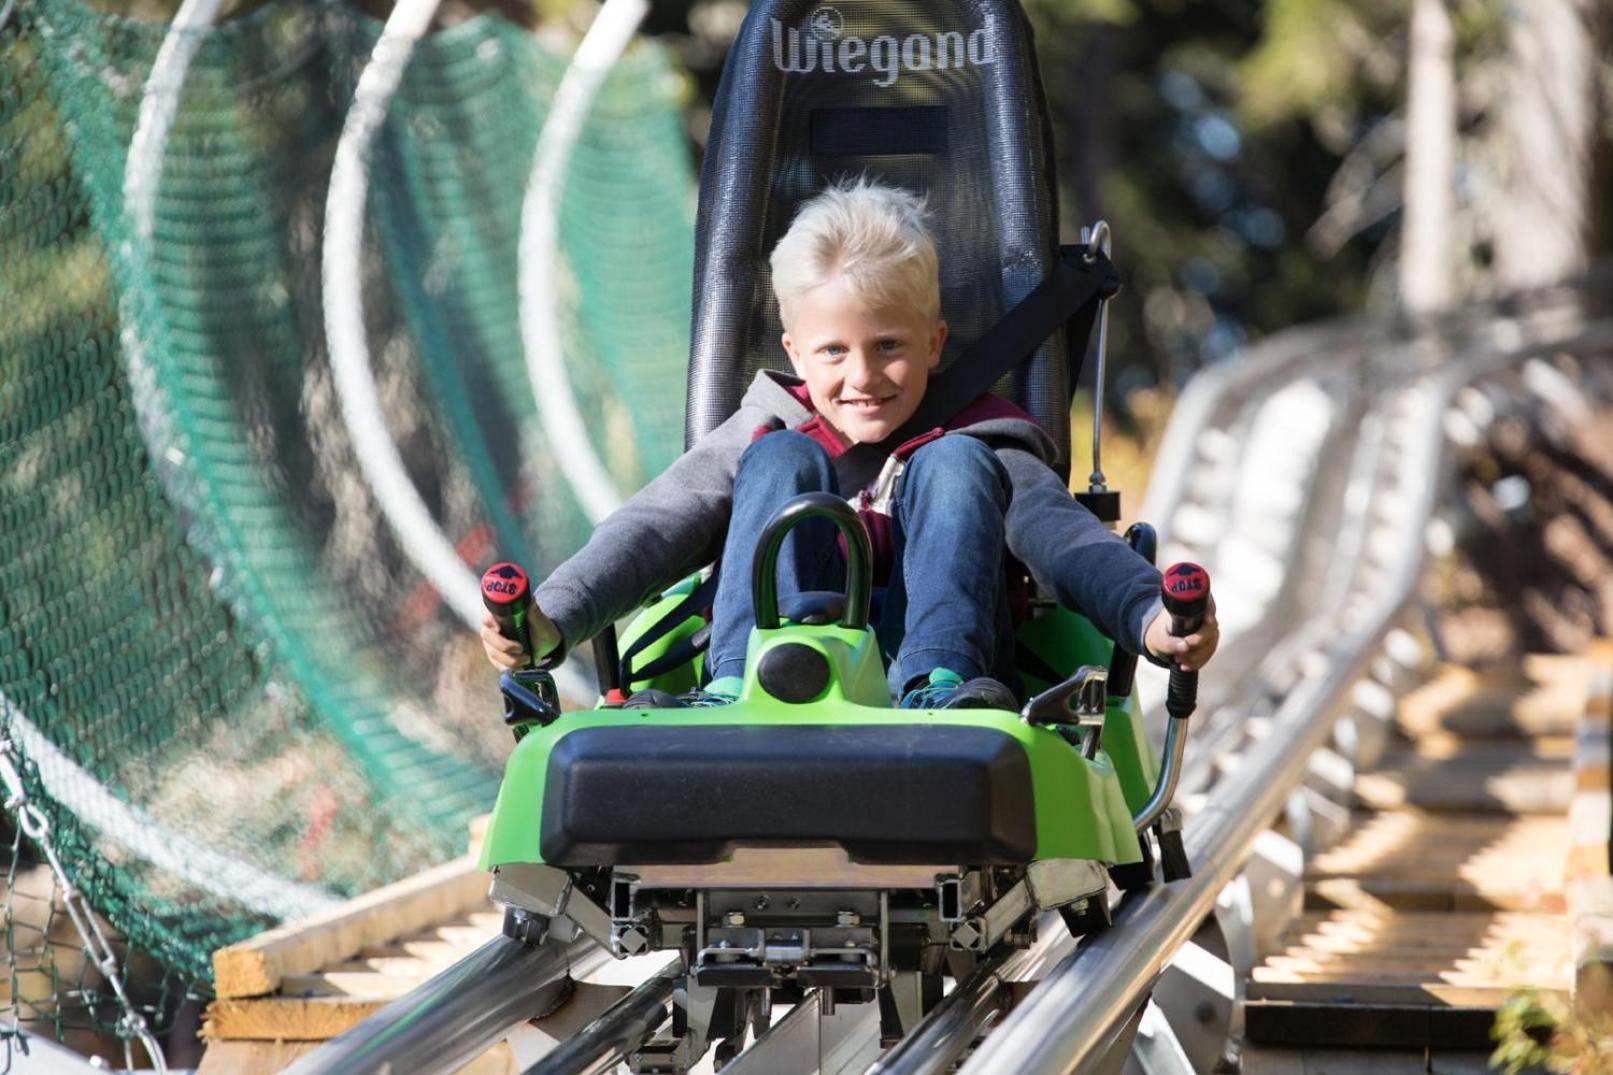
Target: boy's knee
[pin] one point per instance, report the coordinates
(784, 452)
(960, 461)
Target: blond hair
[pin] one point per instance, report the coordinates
(873, 236)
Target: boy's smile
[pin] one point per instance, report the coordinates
(865, 366)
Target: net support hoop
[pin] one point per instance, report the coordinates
(421, 539)
(607, 37)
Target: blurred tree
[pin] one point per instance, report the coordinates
(1546, 130)
(1425, 248)
(1208, 134)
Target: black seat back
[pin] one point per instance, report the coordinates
(941, 97)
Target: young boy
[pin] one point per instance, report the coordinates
(857, 286)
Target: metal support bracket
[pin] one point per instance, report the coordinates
(1156, 1048)
(548, 891)
(1056, 882)
(979, 933)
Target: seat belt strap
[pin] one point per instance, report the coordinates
(1071, 292)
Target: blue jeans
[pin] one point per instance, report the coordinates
(945, 605)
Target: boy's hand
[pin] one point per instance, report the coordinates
(1189, 653)
(505, 653)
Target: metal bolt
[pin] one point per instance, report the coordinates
(762, 902)
(793, 903)
(631, 941)
(969, 935)
(734, 918)
(847, 919)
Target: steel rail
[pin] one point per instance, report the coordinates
(617, 1031)
(1207, 396)
(1057, 1027)
(1226, 405)
(1278, 644)
(952, 1025)
(1249, 667)
(457, 1015)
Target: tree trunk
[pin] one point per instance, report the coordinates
(1426, 279)
(1548, 133)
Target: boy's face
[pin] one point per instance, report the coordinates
(865, 367)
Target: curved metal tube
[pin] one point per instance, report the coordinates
(618, 1030)
(379, 460)
(1169, 775)
(454, 1017)
(611, 32)
(859, 558)
(419, 536)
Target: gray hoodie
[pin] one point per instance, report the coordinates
(676, 524)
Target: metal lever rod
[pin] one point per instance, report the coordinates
(1098, 238)
(1186, 592)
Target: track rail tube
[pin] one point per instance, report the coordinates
(951, 1026)
(454, 1017)
(617, 1031)
(1057, 1028)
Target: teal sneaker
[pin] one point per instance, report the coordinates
(718, 692)
(945, 689)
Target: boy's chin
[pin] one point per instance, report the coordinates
(871, 429)
(868, 432)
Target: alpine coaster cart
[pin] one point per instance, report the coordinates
(810, 835)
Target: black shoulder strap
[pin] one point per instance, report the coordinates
(1069, 294)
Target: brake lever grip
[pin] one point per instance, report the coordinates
(1185, 590)
(507, 596)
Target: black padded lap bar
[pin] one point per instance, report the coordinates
(868, 132)
(886, 793)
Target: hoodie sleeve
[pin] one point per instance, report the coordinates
(1074, 557)
(669, 529)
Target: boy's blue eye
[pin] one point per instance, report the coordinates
(889, 344)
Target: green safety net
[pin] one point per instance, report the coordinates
(226, 687)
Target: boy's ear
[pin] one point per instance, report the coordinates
(795, 356)
(938, 339)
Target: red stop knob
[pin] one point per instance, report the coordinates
(505, 588)
(1185, 588)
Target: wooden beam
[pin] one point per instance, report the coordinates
(257, 966)
(251, 1057)
(1589, 879)
(286, 1018)
(269, 1057)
